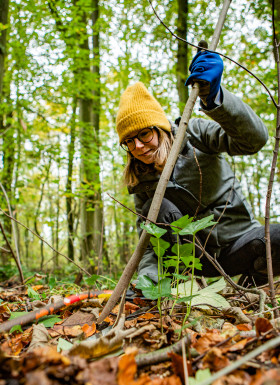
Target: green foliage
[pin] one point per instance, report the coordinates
(49, 321)
(153, 229)
(33, 294)
(16, 328)
(200, 376)
(63, 345)
(193, 227)
(154, 291)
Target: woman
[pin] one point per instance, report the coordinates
(146, 134)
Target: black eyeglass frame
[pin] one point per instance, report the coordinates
(125, 146)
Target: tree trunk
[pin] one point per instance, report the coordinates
(182, 53)
(69, 198)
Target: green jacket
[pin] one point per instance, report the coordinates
(235, 129)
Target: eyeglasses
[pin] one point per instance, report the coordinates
(144, 136)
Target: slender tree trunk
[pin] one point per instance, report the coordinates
(4, 11)
(182, 53)
(69, 197)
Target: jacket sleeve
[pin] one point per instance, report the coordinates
(236, 129)
(148, 264)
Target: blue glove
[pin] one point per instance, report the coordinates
(207, 67)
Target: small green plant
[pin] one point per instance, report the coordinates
(184, 253)
(163, 288)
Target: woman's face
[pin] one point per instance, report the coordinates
(145, 151)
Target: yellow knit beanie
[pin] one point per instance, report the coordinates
(139, 109)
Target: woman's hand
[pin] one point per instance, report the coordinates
(207, 69)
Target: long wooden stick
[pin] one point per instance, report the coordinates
(49, 309)
(161, 187)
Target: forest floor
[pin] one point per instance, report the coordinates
(70, 347)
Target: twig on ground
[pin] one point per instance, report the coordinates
(243, 360)
(161, 354)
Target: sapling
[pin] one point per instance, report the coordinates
(164, 284)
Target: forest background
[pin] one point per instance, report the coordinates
(63, 66)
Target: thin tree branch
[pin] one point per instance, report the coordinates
(271, 180)
(219, 53)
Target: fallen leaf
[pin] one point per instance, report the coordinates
(131, 306)
(147, 316)
(178, 366)
(262, 326)
(89, 330)
(215, 360)
(262, 377)
(127, 371)
(69, 331)
(40, 337)
(79, 318)
(244, 327)
(238, 377)
(208, 340)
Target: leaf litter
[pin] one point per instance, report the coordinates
(69, 347)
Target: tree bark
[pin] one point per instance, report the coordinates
(182, 53)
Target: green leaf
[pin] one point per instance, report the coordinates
(52, 282)
(16, 328)
(196, 226)
(181, 223)
(91, 280)
(206, 296)
(33, 294)
(49, 321)
(153, 229)
(152, 291)
(184, 250)
(180, 276)
(63, 345)
(17, 314)
(188, 261)
(161, 242)
(200, 376)
(170, 262)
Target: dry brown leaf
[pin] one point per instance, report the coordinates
(147, 316)
(101, 372)
(69, 331)
(263, 377)
(127, 371)
(235, 347)
(131, 306)
(89, 330)
(238, 377)
(173, 380)
(208, 340)
(40, 337)
(244, 327)
(79, 318)
(177, 364)
(262, 326)
(215, 360)
(13, 346)
(130, 324)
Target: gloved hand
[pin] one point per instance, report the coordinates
(207, 68)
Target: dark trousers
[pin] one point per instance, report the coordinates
(246, 255)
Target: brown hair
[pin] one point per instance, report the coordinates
(135, 167)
